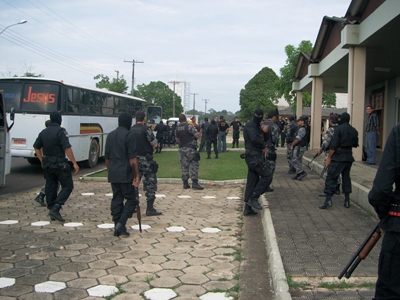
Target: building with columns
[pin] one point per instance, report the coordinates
(358, 54)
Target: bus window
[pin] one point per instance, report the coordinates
(108, 105)
(72, 101)
(154, 114)
(12, 94)
(85, 103)
(41, 97)
(95, 104)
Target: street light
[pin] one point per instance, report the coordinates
(20, 22)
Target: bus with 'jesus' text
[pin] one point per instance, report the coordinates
(88, 114)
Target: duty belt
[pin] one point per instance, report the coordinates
(394, 210)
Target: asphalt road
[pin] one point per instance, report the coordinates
(25, 176)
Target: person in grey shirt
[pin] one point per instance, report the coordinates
(298, 147)
(371, 128)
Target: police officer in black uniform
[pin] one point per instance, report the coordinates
(54, 143)
(148, 168)
(259, 177)
(386, 203)
(340, 160)
(161, 130)
(123, 173)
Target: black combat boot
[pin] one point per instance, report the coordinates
(186, 184)
(151, 211)
(121, 230)
(40, 199)
(116, 233)
(196, 185)
(337, 191)
(55, 213)
(269, 189)
(253, 202)
(327, 203)
(347, 200)
(248, 211)
(208, 155)
(216, 155)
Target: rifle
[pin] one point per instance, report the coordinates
(322, 172)
(138, 214)
(314, 157)
(362, 252)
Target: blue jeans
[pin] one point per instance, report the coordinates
(371, 146)
(221, 141)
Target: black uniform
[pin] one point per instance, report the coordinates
(386, 203)
(259, 177)
(211, 139)
(54, 141)
(161, 131)
(120, 148)
(344, 139)
(236, 125)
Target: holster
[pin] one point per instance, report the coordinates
(154, 166)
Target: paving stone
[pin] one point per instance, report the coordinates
(175, 265)
(220, 274)
(202, 253)
(32, 296)
(102, 291)
(93, 273)
(151, 268)
(128, 297)
(135, 287)
(121, 270)
(193, 278)
(6, 266)
(102, 264)
(186, 290)
(112, 279)
(50, 287)
(166, 282)
(215, 296)
(5, 282)
(154, 259)
(170, 273)
(218, 285)
(160, 294)
(199, 261)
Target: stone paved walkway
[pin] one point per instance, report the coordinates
(201, 254)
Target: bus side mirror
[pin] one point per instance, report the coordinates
(12, 114)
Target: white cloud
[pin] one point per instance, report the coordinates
(218, 46)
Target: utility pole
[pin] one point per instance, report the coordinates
(205, 106)
(173, 98)
(194, 101)
(133, 71)
(116, 71)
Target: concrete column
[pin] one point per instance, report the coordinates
(299, 105)
(316, 112)
(357, 62)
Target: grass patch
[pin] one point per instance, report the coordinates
(296, 285)
(345, 285)
(229, 166)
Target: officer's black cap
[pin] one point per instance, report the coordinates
(302, 119)
(259, 112)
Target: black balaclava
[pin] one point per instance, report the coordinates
(55, 117)
(125, 120)
(344, 118)
(258, 112)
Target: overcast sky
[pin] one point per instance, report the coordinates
(217, 46)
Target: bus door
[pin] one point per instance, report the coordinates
(154, 116)
(5, 153)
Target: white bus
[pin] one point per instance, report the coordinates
(88, 114)
(5, 154)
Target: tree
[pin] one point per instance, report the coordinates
(259, 92)
(159, 94)
(117, 85)
(287, 73)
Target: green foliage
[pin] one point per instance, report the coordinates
(259, 92)
(117, 85)
(159, 94)
(286, 79)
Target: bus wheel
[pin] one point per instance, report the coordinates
(93, 154)
(33, 160)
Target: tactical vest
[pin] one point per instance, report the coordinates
(185, 138)
(304, 140)
(143, 146)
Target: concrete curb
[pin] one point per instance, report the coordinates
(277, 271)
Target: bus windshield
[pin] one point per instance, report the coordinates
(32, 97)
